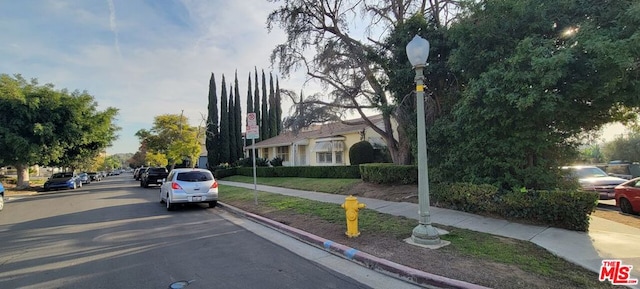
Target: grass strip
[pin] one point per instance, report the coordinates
(525, 255)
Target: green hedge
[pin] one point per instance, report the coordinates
(333, 172)
(385, 173)
(562, 209)
(222, 173)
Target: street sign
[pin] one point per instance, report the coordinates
(253, 132)
(251, 119)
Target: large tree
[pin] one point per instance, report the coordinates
(237, 113)
(212, 140)
(256, 99)
(225, 153)
(264, 121)
(233, 145)
(273, 121)
(42, 125)
(344, 62)
(278, 104)
(538, 74)
(171, 137)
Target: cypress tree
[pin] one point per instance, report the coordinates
(224, 124)
(256, 102)
(278, 108)
(273, 123)
(264, 124)
(247, 142)
(233, 146)
(211, 141)
(238, 115)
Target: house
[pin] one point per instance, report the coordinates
(202, 161)
(318, 145)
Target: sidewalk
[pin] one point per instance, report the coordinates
(605, 239)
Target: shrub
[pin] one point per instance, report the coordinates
(334, 172)
(276, 162)
(222, 173)
(389, 173)
(568, 209)
(361, 153)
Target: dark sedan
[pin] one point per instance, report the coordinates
(62, 181)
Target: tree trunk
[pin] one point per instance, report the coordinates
(22, 170)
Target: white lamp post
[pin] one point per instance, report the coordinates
(424, 233)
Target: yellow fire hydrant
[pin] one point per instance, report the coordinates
(351, 207)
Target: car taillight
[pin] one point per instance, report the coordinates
(214, 185)
(175, 186)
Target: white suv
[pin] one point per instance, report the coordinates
(189, 186)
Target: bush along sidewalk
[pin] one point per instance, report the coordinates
(558, 208)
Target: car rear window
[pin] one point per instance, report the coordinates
(194, 177)
(157, 170)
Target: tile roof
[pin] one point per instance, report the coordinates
(318, 131)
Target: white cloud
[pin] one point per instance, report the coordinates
(146, 62)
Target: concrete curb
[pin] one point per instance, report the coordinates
(372, 262)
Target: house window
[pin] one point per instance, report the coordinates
(329, 152)
(338, 157)
(283, 153)
(324, 158)
(265, 153)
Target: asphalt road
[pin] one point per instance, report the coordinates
(114, 234)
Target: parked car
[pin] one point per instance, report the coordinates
(1, 197)
(152, 176)
(623, 169)
(592, 178)
(189, 186)
(62, 181)
(628, 196)
(95, 176)
(84, 178)
(138, 173)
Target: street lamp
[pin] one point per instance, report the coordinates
(424, 233)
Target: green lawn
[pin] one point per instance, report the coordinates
(332, 186)
(525, 255)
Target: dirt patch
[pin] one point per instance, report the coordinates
(395, 193)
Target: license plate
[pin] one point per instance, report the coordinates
(196, 199)
(158, 181)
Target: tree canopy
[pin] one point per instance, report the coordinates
(45, 126)
(512, 85)
(171, 140)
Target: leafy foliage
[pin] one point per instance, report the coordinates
(623, 149)
(212, 140)
(389, 173)
(172, 137)
(532, 88)
(276, 162)
(361, 153)
(569, 209)
(42, 125)
(338, 172)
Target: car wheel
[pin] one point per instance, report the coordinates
(170, 206)
(213, 204)
(1, 202)
(146, 185)
(625, 206)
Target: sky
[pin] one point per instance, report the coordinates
(146, 57)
